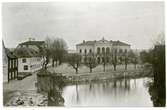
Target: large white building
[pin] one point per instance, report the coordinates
(29, 56)
(100, 47)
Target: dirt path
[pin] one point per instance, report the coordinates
(27, 83)
(16, 87)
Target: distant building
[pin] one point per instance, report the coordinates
(100, 47)
(10, 64)
(29, 55)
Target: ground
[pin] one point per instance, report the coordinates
(68, 70)
(22, 92)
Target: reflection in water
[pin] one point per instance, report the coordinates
(77, 98)
(127, 92)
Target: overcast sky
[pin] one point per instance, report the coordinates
(136, 23)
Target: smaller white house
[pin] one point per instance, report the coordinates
(29, 56)
(29, 65)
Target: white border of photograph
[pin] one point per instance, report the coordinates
(62, 108)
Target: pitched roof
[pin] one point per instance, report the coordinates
(26, 52)
(87, 43)
(10, 54)
(116, 43)
(32, 43)
(7, 52)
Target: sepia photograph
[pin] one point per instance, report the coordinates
(83, 54)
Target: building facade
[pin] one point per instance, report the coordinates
(29, 56)
(10, 64)
(101, 47)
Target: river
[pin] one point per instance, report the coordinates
(118, 93)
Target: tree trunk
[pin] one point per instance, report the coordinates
(114, 67)
(104, 69)
(125, 66)
(90, 70)
(45, 66)
(135, 66)
(53, 63)
(56, 63)
(60, 62)
(76, 69)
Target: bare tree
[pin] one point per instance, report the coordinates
(45, 52)
(104, 62)
(91, 62)
(57, 48)
(45, 57)
(126, 59)
(133, 58)
(74, 60)
(114, 59)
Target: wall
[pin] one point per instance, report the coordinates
(122, 47)
(34, 64)
(83, 47)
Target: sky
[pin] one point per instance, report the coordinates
(136, 23)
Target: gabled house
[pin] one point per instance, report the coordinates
(29, 55)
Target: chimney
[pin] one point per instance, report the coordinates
(33, 39)
(29, 39)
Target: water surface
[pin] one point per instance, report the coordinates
(131, 92)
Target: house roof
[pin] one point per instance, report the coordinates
(115, 43)
(38, 43)
(26, 52)
(119, 43)
(7, 52)
(87, 43)
(29, 52)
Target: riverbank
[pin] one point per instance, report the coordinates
(98, 75)
(86, 78)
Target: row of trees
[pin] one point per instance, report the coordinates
(75, 60)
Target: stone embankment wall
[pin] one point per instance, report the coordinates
(52, 84)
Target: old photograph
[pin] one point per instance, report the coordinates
(83, 54)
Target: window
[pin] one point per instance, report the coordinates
(103, 50)
(80, 51)
(120, 50)
(85, 51)
(25, 67)
(24, 60)
(90, 51)
(125, 50)
(98, 50)
(107, 50)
